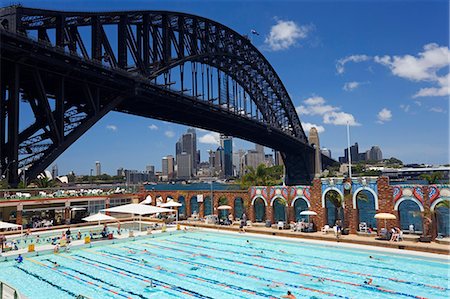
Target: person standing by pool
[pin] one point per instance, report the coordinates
(289, 295)
(2, 241)
(244, 217)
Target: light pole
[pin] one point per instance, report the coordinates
(212, 200)
(90, 177)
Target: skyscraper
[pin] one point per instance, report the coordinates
(98, 168)
(188, 144)
(226, 143)
(168, 166)
(184, 166)
(374, 154)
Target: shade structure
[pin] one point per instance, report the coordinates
(78, 209)
(224, 207)
(146, 201)
(6, 225)
(170, 204)
(138, 209)
(385, 216)
(388, 216)
(308, 213)
(98, 217)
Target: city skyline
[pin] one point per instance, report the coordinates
(386, 76)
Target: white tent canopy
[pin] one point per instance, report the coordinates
(98, 217)
(224, 207)
(170, 204)
(308, 213)
(138, 209)
(6, 225)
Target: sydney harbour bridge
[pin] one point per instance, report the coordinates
(69, 69)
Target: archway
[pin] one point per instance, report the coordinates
(238, 207)
(194, 205)
(207, 206)
(441, 208)
(410, 213)
(279, 210)
(334, 203)
(365, 203)
(259, 207)
(182, 209)
(223, 214)
(300, 205)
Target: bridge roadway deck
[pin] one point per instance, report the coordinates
(432, 247)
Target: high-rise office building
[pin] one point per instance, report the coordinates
(219, 161)
(188, 144)
(252, 158)
(54, 171)
(168, 166)
(237, 157)
(150, 169)
(184, 166)
(226, 143)
(98, 168)
(326, 152)
(374, 154)
(354, 151)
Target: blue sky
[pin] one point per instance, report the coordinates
(382, 66)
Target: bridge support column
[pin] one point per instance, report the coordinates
(13, 127)
(299, 168)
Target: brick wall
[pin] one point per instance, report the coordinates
(316, 204)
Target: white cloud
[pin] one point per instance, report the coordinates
(308, 126)
(169, 133)
(330, 114)
(210, 138)
(384, 115)
(340, 119)
(111, 127)
(437, 110)
(405, 108)
(422, 68)
(285, 34)
(418, 103)
(350, 86)
(340, 65)
(153, 127)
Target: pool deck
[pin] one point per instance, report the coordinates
(432, 247)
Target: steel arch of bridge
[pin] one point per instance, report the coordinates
(72, 68)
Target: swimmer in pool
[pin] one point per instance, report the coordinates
(131, 251)
(289, 295)
(368, 281)
(320, 279)
(374, 258)
(143, 261)
(274, 285)
(55, 264)
(194, 268)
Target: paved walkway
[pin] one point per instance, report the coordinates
(432, 247)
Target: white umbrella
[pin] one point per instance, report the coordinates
(308, 213)
(224, 207)
(98, 217)
(385, 216)
(172, 204)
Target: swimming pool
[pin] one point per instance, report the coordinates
(217, 265)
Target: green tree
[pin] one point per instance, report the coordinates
(44, 182)
(262, 176)
(432, 178)
(337, 200)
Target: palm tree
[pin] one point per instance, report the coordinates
(261, 176)
(336, 199)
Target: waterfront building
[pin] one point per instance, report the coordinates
(188, 144)
(184, 166)
(237, 157)
(219, 161)
(168, 166)
(252, 158)
(374, 154)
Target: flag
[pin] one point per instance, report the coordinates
(253, 31)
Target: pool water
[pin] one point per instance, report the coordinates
(217, 265)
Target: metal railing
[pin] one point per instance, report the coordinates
(9, 292)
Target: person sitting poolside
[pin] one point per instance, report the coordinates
(395, 234)
(289, 295)
(19, 259)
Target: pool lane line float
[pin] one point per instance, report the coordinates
(139, 277)
(77, 278)
(298, 273)
(99, 280)
(128, 259)
(316, 266)
(313, 257)
(35, 275)
(239, 274)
